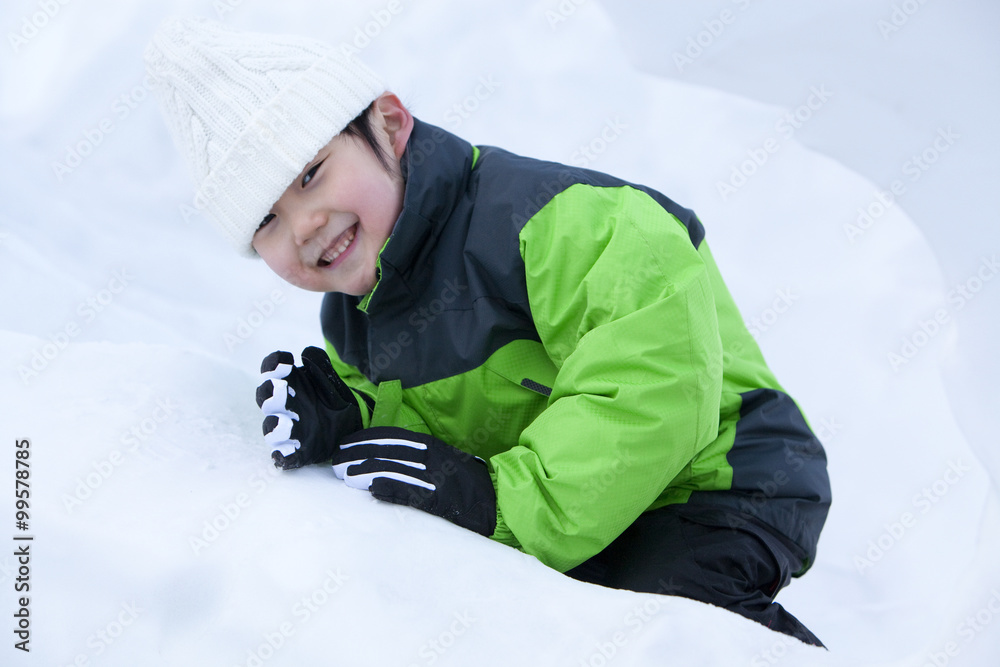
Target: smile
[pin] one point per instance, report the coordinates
(337, 248)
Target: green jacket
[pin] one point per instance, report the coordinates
(572, 330)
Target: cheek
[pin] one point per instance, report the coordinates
(365, 198)
(279, 260)
(378, 194)
(385, 210)
(266, 251)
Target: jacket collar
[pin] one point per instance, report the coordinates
(436, 166)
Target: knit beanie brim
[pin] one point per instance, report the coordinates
(248, 111)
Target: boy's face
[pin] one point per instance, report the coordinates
(327, 229)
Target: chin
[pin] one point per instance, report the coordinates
(363, 286)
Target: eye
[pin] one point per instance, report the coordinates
(312, 172)
(267, 218)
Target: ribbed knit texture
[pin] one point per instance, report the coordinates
(249, 110)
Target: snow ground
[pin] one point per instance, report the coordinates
(164, 537)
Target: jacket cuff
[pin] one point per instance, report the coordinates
(502, 533)
(366, 406)
(390, 410)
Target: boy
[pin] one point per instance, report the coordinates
(543, 354)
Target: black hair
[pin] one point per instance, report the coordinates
(361, 128)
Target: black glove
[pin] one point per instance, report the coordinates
(307, 408)
(408, 468)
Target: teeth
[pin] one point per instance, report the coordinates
(334, 253)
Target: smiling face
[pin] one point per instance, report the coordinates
(326, 231)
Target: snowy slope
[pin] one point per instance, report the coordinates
(913, 88)
(157, 509)
(131, 335)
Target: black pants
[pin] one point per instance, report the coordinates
(673, 551)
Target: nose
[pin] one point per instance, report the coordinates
(305, 223)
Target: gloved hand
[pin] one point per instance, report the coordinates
(409, 468)
(307, 408)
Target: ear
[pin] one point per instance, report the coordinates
(396, 120)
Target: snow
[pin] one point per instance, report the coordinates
(131, 333)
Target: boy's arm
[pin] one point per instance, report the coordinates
(623, 306)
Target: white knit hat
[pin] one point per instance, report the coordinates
(249, 110)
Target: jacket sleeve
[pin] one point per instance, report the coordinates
(622, 303)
